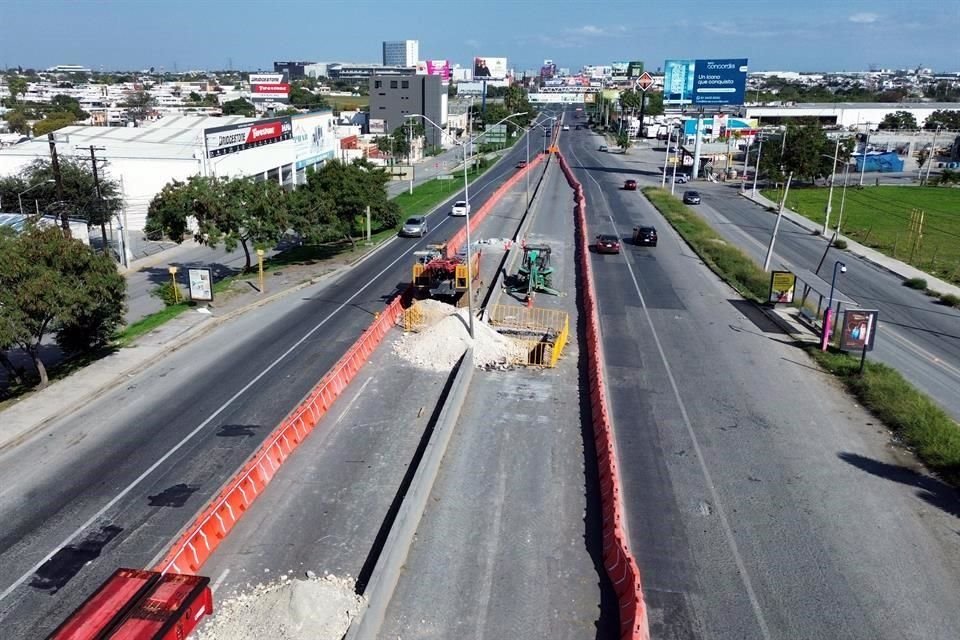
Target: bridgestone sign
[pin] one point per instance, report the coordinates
(234, 138)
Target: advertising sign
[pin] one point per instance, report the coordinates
(313, 139)
(496, 134)
(440, 68)
(859, 330)
(277, 91)
(239, 137)
(782, 286)
(634, 68)
(619, 69)
(489, 68)
(378, 125)
(705, 82)
(266, 78)
(200, 280)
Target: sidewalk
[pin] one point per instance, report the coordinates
(894, 266)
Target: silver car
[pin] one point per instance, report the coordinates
(414, 227)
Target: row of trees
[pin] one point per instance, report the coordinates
(804, 150)
(941, 119)
(257, 214)
(50, 283)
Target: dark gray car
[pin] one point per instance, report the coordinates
(691, 197)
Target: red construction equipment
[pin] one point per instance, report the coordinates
(140, 605)
(442, 277)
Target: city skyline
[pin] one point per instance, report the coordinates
(829, 36)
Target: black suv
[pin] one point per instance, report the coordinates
(645, 236)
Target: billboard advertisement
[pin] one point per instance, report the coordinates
(635, 68)
(266, 78)
(440, 68)
(489, 68)
(619, 69)
(276, 91)
(859, 330)
(704, 82)
(313, 138)
(378, 125)
(240, 137)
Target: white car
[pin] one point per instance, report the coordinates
(460, 208)
(566, 127)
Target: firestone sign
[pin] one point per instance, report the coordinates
(239, 137)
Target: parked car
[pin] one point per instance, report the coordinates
(630, 185)
(682, 178)
(460, 208)
(578, 127)
(521, 164)
(603, 147)
(645, 236)
(691, 197)
(608, 244)
(415, 226)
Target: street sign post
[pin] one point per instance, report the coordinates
(644, 82)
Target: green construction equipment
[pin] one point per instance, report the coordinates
(535, 272)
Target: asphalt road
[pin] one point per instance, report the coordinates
(112, 484)
(917, 335)
(761, 501)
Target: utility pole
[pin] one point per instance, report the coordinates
(696, 146)
(863, 158)
(96, 181)
(833, 175)
(756, 171)
(931, 156)
(776, 227)
(55, 165)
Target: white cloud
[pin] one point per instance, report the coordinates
(864, 18)
(472, 43)
(593, 31)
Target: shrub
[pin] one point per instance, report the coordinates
(840, 244)
(165, 292)
(916, 283)
(950, 299)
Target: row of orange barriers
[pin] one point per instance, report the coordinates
(618, 560)
(199, 539)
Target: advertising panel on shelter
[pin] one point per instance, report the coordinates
(489, 68)
(705, 82)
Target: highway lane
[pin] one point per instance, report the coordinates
(917, 335)
(761, 502)
(112, 484)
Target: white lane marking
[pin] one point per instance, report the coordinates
(714, 495)
(143, 476)
(220, 579)
(353, 401)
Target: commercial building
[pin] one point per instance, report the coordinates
(175, 148)
(852, 115)
(352, 71)
(294, 70)
(392, 98)
(401, 53)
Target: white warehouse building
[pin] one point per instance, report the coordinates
(146, 158)
(852, 115)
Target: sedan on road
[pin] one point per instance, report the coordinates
(630, 185)
(566, 127)
(607, 244)
(691, 197)
(603, 147)
(460, 208)
(645, 236)
(521, 164)
(415, 227)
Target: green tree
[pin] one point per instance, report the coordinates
(899, 120)
(233, 212)
(515, 100)
(194, 97)
(17, 85)
(54, 120)
(67, 104)
(944, 119)
(302, 98)
(17, 122)
(238, 107)
(51, 283)
(138, 105)
(623, 141)
(630, 99)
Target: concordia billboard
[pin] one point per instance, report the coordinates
(313, 138)
(704, 82)
(440, 68)
(489, 68)
(238, 137)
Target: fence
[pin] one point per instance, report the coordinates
(543, 332)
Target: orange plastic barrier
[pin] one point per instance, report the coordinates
(457, 240)
(618, 560)
(200, 538)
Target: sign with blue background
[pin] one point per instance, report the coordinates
(705, 82)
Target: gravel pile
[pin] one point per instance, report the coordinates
(313, 609)
(438, 346)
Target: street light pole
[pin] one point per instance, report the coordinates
(828, 314)
(863, 158)
(28, 190)
(666, 158)
(843, 195)
(833, 175)
(933, 152)
(776, 226)
(756, 170)
(410, 154)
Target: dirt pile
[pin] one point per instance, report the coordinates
(446, 336)
(313, 609)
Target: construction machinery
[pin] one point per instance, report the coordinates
(441, 277)
(535, 274)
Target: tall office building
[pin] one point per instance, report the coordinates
(401, 53)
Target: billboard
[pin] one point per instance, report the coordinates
(266, 78)
(489, 68)
(859, 330)
(704, 82)
(635, 68)
(232, 138)
(313, 138)
(275, 91)
(619, 69)
(378, 125)
(440, 68)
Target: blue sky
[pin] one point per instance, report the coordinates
(774, 34)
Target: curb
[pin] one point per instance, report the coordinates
(386, 575)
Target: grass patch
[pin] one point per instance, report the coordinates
(428, 195)
(729, 262)
(916, 283)
(917, 420)
(880, 217)
(347, 103)
(148, 323)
